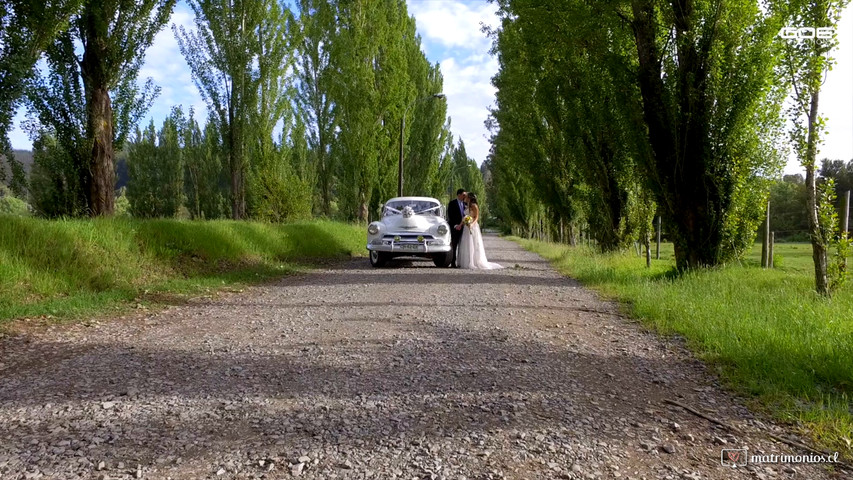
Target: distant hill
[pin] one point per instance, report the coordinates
(26, 158)
(23, 156)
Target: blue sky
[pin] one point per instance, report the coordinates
(452, 36)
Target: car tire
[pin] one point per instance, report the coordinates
(378, 259)
(443, 260)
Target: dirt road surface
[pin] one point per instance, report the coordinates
(396, 373)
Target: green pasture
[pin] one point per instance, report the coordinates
(769, 336)
(71, 268)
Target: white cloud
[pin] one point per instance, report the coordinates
(454, 23)
(452, 36)
(167, 67)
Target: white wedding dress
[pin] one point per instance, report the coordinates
(471, 253)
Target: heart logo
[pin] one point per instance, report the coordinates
(733, 455)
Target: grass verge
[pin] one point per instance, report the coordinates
(765, 331)
(73, 268)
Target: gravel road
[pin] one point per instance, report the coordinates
(352, 372)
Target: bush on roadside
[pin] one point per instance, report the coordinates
(11, 205)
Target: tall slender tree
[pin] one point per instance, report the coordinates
(115, 35)
(705, 72)
(206, 177)
(805, 63)
(425, 132)
(221, 54)
(27, 27)
(355, 51)
(155, 164)
(273, 188)
(314, 79)
(91, 101)
(531, 141)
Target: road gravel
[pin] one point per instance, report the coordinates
(349, 372)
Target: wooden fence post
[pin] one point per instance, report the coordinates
(844, 224)
(770, 250)
(765, 245)
(657, 250)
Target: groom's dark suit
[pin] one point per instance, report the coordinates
(455, 212)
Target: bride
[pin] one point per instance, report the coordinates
(472, 254)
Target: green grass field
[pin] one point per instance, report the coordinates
(768, 335)
(73, 268)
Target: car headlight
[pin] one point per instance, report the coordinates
(373, 229)
(442, 229)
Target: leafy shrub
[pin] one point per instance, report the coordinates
(56, 189)
(10, 205)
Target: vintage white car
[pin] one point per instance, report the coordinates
(410, 227)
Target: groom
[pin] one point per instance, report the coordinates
(455, 214)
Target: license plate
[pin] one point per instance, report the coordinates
(410, 247)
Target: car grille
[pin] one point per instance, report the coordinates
(408, 238)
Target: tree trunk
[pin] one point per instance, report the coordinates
(325, 177)
(765, 244)
(238, 193)
(102, 171)
(818, 244)
(235, 164)
(98, 177)
(679, 139)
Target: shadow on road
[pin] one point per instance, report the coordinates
(438, 381)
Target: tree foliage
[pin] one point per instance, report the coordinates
(27, 27)
(222, 54)
(56, 189)
(804, 65)
(205, 176)
(90, 100)
(644, 106)
(156, 168)
(307, 110)
(314, 74)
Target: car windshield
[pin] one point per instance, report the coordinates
(421, 207)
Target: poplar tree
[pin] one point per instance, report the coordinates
(356, 99)
(677, 98)
(275, 191)
(27, 27)
(155, 163)
(711, 112)
(206, 177)
(314, 74)
(804, 64)
(221, 53)
(91, 101)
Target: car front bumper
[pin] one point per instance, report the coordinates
(409, 248)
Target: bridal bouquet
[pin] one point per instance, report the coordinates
(467, 220)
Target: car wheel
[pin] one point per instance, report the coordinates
(378, 259)
(443, 260)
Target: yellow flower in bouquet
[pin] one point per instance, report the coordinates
(467, 220)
